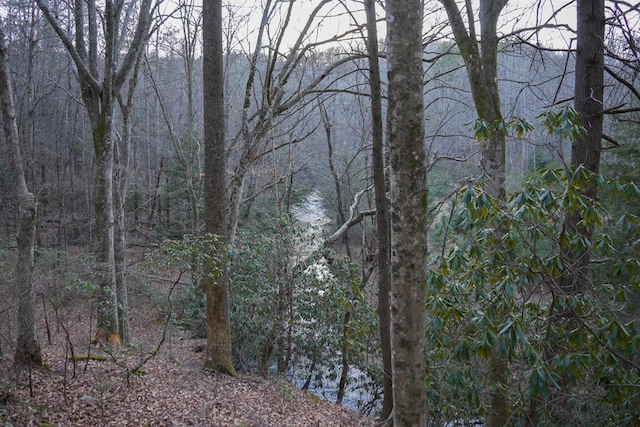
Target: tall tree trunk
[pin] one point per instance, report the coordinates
(481, 62)
(99, 91)
(120, 236)
(585, 152)
(121, 181)
(408, 210)
(107, 326)
(99, 102)
(27, 346)
(218, 351)
(588, 101)
(382, 208)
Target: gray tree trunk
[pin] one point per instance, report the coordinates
(218, 351)
(120, 235)
(27, 346)
(382, 208)
(481, 61)
(588, 102)
(103, 145)
(99, 92)
(121, 181)
(409, 200)
(585, 151)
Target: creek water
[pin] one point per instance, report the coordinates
(312, 215)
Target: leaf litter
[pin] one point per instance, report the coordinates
(172, 389)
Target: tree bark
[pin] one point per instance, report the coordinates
(99, 91)
(120, 235)
(121, 182)
(585, 151)
(481, 62)
(107, 318)
(408, 210)
(382, 208)
(27, 347)
(218, 351)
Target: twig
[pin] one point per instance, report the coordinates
(156, 351)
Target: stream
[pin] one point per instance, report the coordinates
(312, 215)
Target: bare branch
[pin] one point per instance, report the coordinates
(623, 81)
(353, 218)
(81, 65)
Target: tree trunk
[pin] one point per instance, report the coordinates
(344, 374)
(382, 208)
(120, 254)
(121, 181)
(326, 121)
(99, 103)
(481, 62)
(218, 351)
(588, 101)
(585, 152)
(408, 210)
(99, 90)
(27, 346)
(107, 319)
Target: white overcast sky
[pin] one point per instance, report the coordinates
(338, 16)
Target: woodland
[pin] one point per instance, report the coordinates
(328, 212)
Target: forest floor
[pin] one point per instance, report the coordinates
(170, 389)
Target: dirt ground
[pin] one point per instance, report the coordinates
(171, 389)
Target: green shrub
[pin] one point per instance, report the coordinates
(496, 290)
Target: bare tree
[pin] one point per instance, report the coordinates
(99, 89)
(272, 89)
(27, 346)
(408, 175)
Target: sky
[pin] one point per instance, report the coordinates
(335, 17)
(339, 16)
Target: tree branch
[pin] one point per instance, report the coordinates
(81, 65)
(353, 218)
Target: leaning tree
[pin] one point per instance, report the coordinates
(27, 346)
